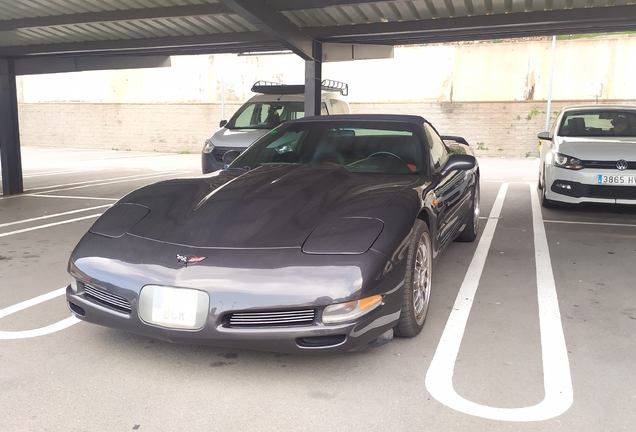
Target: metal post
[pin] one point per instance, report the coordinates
(222, 97)
(547, 117)
(9, 132)
(313, 78)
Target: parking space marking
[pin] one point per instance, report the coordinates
(60, 325)
(592, 223)
(50, 173)
(49, 225)
(122, 180)
(42, 195)
(556, 368)
(88, 182)
(52, 216)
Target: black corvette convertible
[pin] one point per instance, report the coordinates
(320, 237)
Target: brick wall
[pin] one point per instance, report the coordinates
(143, 127)
(506, 129)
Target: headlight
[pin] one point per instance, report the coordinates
(118, 219)
(568, 162)
(208, 146)
(344, 236)
(73, 285)
(349, 311)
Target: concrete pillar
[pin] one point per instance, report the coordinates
(9, 131)
(313, 79)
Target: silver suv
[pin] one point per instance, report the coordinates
(274, 104)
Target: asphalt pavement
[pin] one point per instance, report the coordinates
(530, 328)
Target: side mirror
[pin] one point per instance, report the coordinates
(222, 123)
(459, 162)
(544, 136)
(229, 156)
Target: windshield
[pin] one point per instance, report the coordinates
(368, 147)
(598, 123)
(265, 115)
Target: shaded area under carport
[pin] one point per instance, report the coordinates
(66, 36)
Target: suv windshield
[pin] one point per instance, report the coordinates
(598, 123)
(265, 115)
(366, 147)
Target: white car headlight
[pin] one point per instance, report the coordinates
(349, 311)
(208, 146)
(568, 162)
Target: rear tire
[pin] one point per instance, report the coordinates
(417, 282)
(471, 230)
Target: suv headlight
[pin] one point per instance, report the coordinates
(208, 146)
(568, 162)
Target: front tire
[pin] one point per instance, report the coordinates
(471, 230)
(545, 203)
(417, 282)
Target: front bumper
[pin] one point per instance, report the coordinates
(108, 288)
(213, 161)
(308, 339)
(575, 187)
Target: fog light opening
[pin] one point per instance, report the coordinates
(563, 186)
(77, 310)
(320, 341)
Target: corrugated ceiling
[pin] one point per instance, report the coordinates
(83, 27)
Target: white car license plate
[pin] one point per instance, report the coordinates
(175, 306)
(627, 180)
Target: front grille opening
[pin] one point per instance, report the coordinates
(77, 310)
(610, 165)
(271, 319)
(107, 299)
(613, 192)
(218, 153)
(320, 341)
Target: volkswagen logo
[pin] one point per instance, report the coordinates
(622, 165)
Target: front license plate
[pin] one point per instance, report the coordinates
(628, 180)
(175, 306)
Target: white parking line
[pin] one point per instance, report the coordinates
(148, 177)
(556, 369)
(52, 216)
(50, 173)
(60, 325)
(49, 225)
(88, 182)
(43, 195)
(91, 183)
(591, 223)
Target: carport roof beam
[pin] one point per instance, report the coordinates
(273, 23)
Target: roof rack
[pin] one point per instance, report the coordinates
(268, 87)
(331, 85)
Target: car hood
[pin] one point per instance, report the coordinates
(239, 138)
(275, 206)
(599, 149)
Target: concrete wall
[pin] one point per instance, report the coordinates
(494, 128)
(493, 94)
(584, 69)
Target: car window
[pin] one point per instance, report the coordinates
(339, 107)
(439, 152)
(357, 146)
(598, 123)
(265, 115)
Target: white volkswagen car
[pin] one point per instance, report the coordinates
(589, 155)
